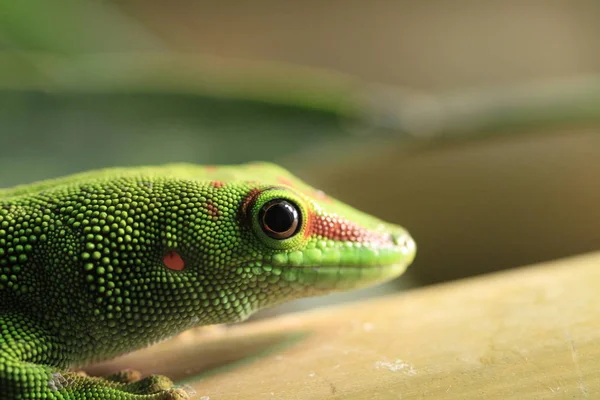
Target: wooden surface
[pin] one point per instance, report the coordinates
(531, 333)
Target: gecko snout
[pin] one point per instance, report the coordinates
(406, 243)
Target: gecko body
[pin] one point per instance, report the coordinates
(106, 262)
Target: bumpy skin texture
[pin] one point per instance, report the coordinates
(102, 263)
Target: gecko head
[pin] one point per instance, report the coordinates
(278, 239)
(176, 251)
(312, 244)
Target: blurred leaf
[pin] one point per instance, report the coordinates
(184, 74)
(71, 26)
(60, 114)
(50, 134)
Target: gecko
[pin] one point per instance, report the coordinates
(105, 262)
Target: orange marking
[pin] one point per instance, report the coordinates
(173, 261)
(321, 196)
(339, 229)
(212, 209)
(249, 200)
(285, 181)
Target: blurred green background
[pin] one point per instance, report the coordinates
(473, 124)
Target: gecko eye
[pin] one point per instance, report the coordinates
(279, 219)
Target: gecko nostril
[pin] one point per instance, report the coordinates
(173, 261)
(404, 241)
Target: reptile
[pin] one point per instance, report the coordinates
(101, 263)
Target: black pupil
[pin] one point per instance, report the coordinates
(280, 217)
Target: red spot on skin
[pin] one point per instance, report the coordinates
(217, 184)
(173, 261)
(321, 196)
(249, 201)
(285, 181)
(210, 168)
(212, 209)
(339, 229)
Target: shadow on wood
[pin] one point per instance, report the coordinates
(529, 333)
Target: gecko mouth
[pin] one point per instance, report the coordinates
(338, 278)
(363, 267)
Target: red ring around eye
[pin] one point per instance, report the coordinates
(173, 261)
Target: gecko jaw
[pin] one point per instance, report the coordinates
(353, 266)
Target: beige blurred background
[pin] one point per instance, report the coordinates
(431, 44)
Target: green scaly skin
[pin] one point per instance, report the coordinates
(85, 272)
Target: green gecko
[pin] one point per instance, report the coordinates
(102, 263)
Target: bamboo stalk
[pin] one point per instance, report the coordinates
(529, 333)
